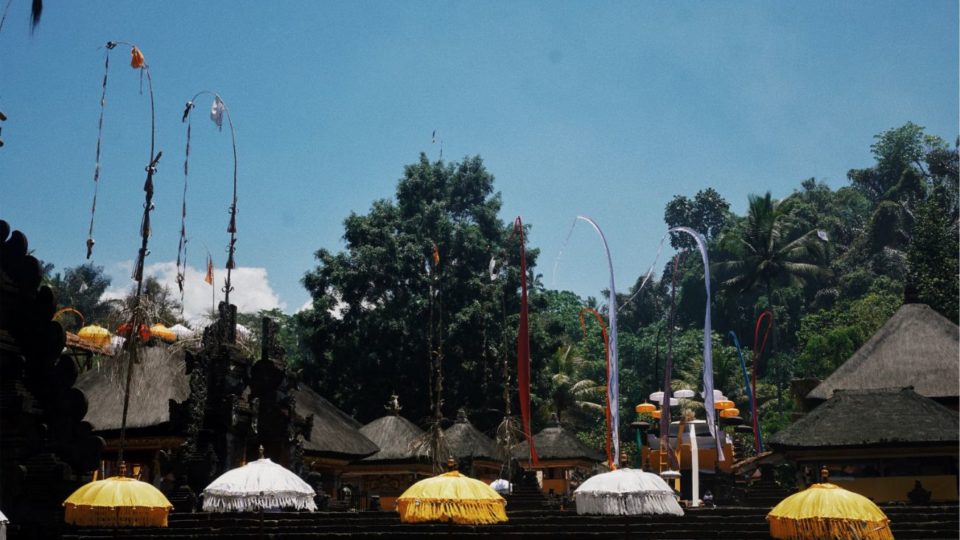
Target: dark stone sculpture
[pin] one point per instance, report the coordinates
(46, 450)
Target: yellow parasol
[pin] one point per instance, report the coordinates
(645, 408)
(722, 404)
(828, 511)
(95, 335)
(729, 413)
(117, 501)
(160, 331)
(452, 496)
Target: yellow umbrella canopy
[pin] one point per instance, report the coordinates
(117, 501)
(96, 335)
(645, 408)
(160, 331)
(722, 404)
(828, 511)
(452, 496)
(729, 413)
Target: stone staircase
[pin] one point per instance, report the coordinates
(526, 495)
(742, 523)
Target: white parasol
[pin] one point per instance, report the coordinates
(182, 332)
(626, 492)
(501, 486)
(259, 485)
(3, 526)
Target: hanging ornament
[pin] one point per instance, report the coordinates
(216, 112)
(493, 270)
(136, 58)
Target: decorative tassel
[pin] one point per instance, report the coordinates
(817, 528)
(464, 512)
(110, 516)
(96, 170)
(136, 58)
(216, 112)
(252, 503)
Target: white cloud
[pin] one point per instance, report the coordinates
(306, 305)
(251, 288)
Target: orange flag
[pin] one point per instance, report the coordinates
(209, 277)
(436, 255)
(136, 58)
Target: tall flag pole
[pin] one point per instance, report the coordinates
(523, 349)
(218, 110)
(708, 398)
(606, 352)
(138, 317)
(613, 381)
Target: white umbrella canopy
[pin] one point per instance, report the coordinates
(258, 485)
(501, 486)
(626, 492)
(182, 332)
(3, 526)
(116, 343)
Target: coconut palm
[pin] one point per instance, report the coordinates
(774, 250)
(570, 389)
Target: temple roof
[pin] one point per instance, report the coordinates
(557, 443)
(863, 418)
(159, 377)
(917, 347)
(465, 440)
(333, 431)
(398, 439)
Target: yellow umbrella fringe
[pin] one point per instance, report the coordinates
(826, 528)
(115, 516)
(463, 512)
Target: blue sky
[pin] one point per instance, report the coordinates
(600, 108)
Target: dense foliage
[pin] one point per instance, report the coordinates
(415, 282)
(832, 265)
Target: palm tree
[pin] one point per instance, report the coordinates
(570, 390)
(774, 251)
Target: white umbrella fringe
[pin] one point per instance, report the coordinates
(628, 504)
(232, 502)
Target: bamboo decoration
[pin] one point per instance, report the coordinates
(218, 111)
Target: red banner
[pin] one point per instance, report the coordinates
(523, 349)
(606, 353)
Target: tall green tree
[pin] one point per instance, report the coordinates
(368, 330)
(706, 213)
(932, 260)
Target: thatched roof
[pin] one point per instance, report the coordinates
(334, 433)
(398, 438)
(557, 443)
(466, 441)
(863, 418)
(917, 347)
(160, 377)
(157, 378)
